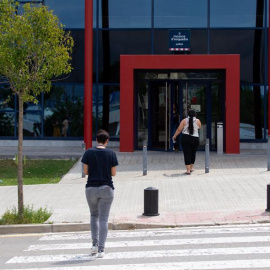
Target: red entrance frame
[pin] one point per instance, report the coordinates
(229, 63)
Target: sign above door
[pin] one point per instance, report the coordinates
(179, 40)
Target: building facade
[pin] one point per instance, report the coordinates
(160, 95)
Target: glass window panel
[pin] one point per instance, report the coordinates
(125, 13)
(112, 124)
(142, 113)
(32, 123)
(63, 111)
(198, 42)
(252, 120)
(7, 120)
(114, 43)
(69, 12)
(249, 44)
(236, 13)
(7, 99)
(180, 13)
(77, 61)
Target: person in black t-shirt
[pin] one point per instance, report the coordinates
(100, 165)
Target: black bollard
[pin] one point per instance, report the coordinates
(268, 198)
(151, 202)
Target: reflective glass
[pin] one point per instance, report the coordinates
(251, 120)
(249, 44)
(7, 120)
(32, 123)
(111, 122)
(180, 13)
(236, 13)
(77, 61)
(142, 113)
(125, 13)
(69, 12)
(114, 43)
(63, 111)
(7, 99)
(198, 42)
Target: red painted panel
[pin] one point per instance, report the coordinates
(231, 63)
(88, 75)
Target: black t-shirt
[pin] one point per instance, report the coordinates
(99, 161)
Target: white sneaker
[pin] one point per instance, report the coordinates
(101, 254)
(94, 249)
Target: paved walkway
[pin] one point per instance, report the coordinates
(234, 191)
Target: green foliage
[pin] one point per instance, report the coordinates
(33, 47)
(35, 171)
(29, 216)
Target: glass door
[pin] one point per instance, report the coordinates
(160, 107)
(162, 104)
(206, 98)
(195, 97)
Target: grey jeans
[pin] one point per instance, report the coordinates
(99, 200)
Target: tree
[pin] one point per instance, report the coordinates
(34, 48)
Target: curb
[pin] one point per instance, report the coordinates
(76, 227)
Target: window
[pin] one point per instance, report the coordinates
(69, 12)
(114, 43)
(125, 13)
(249, 44)
(180, 13)
(236, 13)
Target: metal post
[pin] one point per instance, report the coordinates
(268, 198)
(83, 150)
(145, 157)
(207, 156)
(268, 154)
(220, 138)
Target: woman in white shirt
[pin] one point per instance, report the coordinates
(190, 139)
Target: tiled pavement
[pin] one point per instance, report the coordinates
(234, 190)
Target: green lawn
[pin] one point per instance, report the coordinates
(35, 171)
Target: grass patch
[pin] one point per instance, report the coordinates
(34, 171)
(29, 216)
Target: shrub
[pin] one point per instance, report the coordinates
(29, 216)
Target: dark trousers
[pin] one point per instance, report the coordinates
(190, 146)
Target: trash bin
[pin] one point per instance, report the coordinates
(220, 138)
(151, 202)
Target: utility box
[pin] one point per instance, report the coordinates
(220, 138)
(151, 202)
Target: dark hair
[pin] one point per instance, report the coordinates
(102, 136)
(191, 114)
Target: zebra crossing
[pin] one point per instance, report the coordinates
(224, 247)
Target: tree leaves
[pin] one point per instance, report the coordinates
(34, 48)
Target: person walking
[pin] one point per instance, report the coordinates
(190, 139)
(100, 165)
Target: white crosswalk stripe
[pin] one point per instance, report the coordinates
(150, 233)
(225, 247)
(165, 242)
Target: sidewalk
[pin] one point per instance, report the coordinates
(234, 191)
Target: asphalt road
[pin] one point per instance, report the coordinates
(194, 248)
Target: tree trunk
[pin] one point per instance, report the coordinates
(20, 158)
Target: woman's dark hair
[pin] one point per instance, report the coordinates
(191, 114)
(102, 136)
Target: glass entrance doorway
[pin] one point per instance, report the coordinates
(162, 104)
